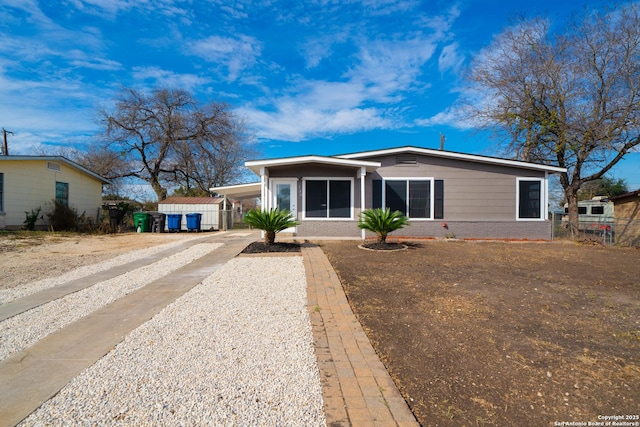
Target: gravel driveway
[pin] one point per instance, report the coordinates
(235, 350)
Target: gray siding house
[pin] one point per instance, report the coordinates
(442, 193)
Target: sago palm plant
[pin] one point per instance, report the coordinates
(382, 222)
(271, 222)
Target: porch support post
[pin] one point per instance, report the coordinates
(363, 174)
(263, 188)
(224, 213)
(263, 192)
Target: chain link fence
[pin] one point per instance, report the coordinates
(606, 230)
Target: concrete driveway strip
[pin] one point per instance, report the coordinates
(20, 305)
(31, 377)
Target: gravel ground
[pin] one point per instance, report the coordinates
(23, 330)
(235, 350)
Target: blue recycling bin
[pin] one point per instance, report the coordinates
(174, 222)
(193, 221)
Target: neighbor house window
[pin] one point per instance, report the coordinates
(62, 193)
(1, 192)
(414, 197)
(530, 201)
(328, 198)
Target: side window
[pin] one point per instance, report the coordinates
(597, 210)
(529, 199)
(62, 193)
(582, 210)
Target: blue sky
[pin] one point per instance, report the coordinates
(318, 77)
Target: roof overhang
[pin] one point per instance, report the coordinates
(453, 155)
(239, 191)
(257, 165)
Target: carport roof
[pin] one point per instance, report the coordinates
(239, 191)
(192, 201)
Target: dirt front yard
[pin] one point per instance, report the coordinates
(30, 256)
(502, 333)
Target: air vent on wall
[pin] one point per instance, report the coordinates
(406, 159)
(53, 166)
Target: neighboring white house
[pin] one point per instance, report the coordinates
(211, 209)
(31, 182)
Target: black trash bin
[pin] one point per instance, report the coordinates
(193, 221)
(158, 220)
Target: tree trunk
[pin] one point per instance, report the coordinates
(269, 237)
(382, 238)
(160, 191)
(572, 201)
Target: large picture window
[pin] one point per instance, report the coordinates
(530, 198)
(328, 198)
(415, 198)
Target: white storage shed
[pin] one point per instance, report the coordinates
(211, 209)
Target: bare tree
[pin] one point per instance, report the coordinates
(214, 158)
(570, 99)
(159, 135)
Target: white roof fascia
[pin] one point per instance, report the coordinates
(255, 165)
(457, 156)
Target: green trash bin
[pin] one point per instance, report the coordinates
(141, 222)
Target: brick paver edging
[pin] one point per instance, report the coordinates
(356, 388)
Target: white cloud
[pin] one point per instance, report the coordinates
(158, 77)
(456, 116)
(450, 58)
(236, 54)
(293, 122)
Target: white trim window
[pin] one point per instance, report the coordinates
(530, 199)
(327, 198)
(414, 197)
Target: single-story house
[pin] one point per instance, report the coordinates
(626, 218)
(211, 208)
(443, 193)
(30, 182)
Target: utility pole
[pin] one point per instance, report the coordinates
(442, 142)
(5, 146)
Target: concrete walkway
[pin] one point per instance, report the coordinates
(357, 389)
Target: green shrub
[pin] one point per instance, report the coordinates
(382, 222)
(32, 218)
(271, 222)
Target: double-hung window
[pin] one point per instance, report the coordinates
(328, 198)
(62, 193)
(416, 198)
(530, 199)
